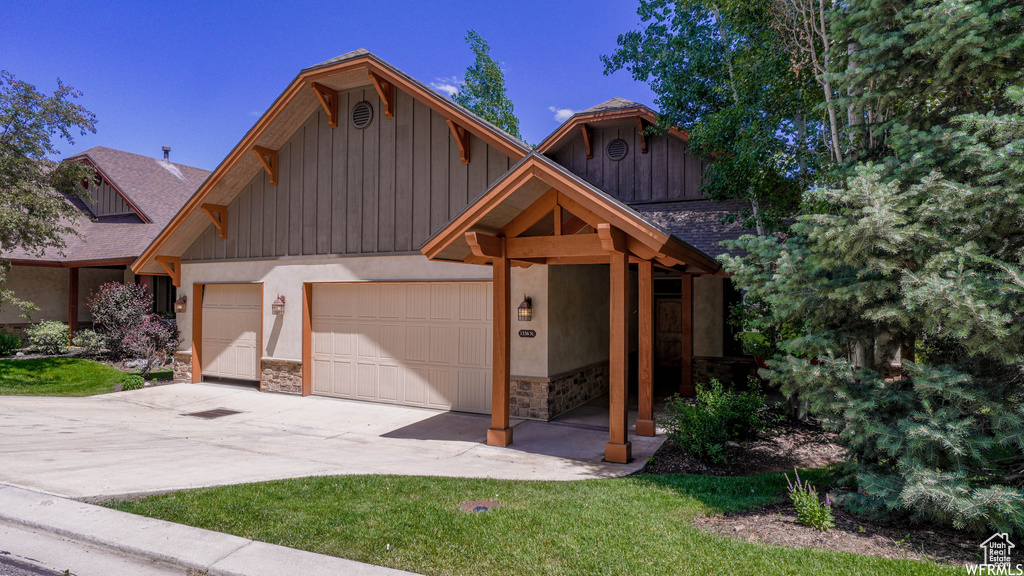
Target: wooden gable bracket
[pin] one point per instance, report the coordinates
(612, 239)
(328, 98)
(268, 158)
(640, 132)
(172, 265)
(586, 140)
(386, 91)
(461, 136)
(219, 215)
(484, 246)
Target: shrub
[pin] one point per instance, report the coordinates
(49, 337)
(9, 343)
(810, 510)
(153, 339)
(719, 416)
(92, 342)
(133, 382)
(117, 309)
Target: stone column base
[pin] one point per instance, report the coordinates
(183, 366)
(278, 375)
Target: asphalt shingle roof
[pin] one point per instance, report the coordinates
(698, 222)
(158, 188)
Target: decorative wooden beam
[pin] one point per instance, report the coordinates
(586, 140)
(219, 216)
(573, 225)
(172, 265)
(500, 433)
(612, 239)
(645, 350)
(640, 132)
(474, 259)
(618, 448)
(527, 247)
(557, 214)
(461, 136)
(386, 91)
(484, 245)
(533, 214)
(328, 98)
(268, 158)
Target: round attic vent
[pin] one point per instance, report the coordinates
(362, 114)
(617, 149)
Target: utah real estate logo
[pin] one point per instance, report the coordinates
(997, 557)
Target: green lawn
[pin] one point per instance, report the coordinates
(635, 525)
(56, 377)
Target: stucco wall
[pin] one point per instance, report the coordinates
(282, 335)
(530, 355)
(47, 288)
(707, 315)
(578, 318)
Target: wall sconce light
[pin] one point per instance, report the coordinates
(181, 305)
(278, 306)
(526, 309)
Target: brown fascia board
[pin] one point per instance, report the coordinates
(86, 159)
(364, 61)
(72, 263)
(571, 126)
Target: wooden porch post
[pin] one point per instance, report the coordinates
(686, 384)
(197, 332)
(645, 371)
(500, 434)
(73, 301)
(618, 448)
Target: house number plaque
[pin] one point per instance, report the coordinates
(527, 333)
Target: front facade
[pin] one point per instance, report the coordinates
(370, 240)
(121, 211)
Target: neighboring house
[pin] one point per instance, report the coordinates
(128, 203)
(369, 239)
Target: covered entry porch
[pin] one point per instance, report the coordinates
(539, 214)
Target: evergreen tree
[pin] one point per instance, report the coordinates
(920, 249)
(483, 90)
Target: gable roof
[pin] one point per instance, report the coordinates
(526, 183)
(614, 111)
(154, 189)
(702, 223)
(284, 116)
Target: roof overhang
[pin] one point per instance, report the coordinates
(277, 124)
(542, 214)
(640, 116)
(97, 263)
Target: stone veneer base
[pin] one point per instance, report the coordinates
(281, 376)
(545, 398)
(183, 366)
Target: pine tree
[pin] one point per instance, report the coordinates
(920, 248)
(483, 90)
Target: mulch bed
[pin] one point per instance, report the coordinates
(794, 444)
(777, 525)
(797, 444)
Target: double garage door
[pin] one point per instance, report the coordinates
(422, 344)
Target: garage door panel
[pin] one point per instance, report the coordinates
(231, 330)
(415, 343)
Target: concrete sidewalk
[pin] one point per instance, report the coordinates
(166, 543)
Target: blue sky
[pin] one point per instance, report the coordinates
(196, 75)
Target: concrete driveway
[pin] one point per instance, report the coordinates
(147, 441)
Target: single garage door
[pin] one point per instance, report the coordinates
(231, 331)
(424, 344)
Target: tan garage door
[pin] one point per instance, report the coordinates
(231, 331)
(412, 343)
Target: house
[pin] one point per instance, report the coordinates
(130, 200)
(369, 239)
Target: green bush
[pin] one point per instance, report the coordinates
(810, 510)
(49, 337)
(9, 343)
(90, 341)
(720, 415)
(132, 382)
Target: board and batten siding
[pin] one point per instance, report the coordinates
(103, 200)
(666, 173)
(383, 189)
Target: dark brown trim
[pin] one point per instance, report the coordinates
(74, 263)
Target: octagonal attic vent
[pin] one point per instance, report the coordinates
(362, 114)
(617, 149)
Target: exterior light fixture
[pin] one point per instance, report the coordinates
(278, 306)
(181, 305)
(526, 309)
